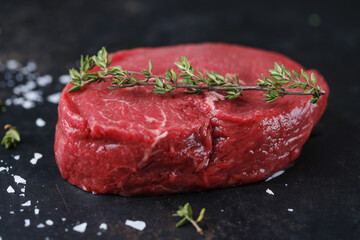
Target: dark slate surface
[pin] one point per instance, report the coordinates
(323, 185)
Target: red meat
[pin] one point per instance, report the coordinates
(134, 142)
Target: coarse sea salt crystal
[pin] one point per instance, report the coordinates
(103, 226)
(22, 195)
(22, 189)
(49, 222)
(275, 175)
(54, 98)
(28, 105)
(63, 219)
(26, 204)
(4, 169)
(139, 225)
(40, 122)
(36, 211)
(290, 209)
(11, 212)
(38, 155)
(16, 157)
(12, 64)
(42, 81)
(10, 189)
(27, 222)
(269, 191)
(40, 225)
(19, 179)
(80, 227)
(35, 96)
(64, 79)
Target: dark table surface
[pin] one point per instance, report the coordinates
(323, 186)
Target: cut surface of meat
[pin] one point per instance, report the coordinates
(133, 142)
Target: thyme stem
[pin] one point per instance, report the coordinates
(275, 86)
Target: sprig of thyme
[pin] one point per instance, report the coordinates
(186, 213)
(275, 86)
(12, 136)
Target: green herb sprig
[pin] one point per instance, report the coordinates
(186, 213)
(12, 136)
(275, 86)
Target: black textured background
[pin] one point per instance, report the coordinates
(323, 185)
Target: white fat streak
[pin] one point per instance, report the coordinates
(149, 150)
(212, 97)
(139, 225)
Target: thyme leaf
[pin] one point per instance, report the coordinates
(275, 86)
(186, 214)
(12, 136)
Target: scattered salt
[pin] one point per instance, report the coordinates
(139, 225)
(27, 222)
(16, 157)
(80, 227)
(10, 189)
(19, 179)
(40, 225)
(66, 230)
(54, 98)
(22, 195)
(49, 222)
(12, 64)
(36, 211)
(262, 170)
(38, 155)
(26, 204)
(28, 104)
(269, 191)
(275, 175)
(4, 168)
(64, 79)
(33, 161)
(40, 122)
(42, 81)
(35, 96)
(21, 210)
(63, 219)
(286, 185)
(22, 189)
(290, 209)
(103, 226)
(11, 212)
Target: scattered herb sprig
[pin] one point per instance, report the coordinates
(186, 213)
(12, 136)
(275, 86)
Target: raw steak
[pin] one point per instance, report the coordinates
(134, 142)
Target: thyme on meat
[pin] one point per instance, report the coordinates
(196, 82)
(186, 213)
(12, 136)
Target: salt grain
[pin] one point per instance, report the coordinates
(16, 157)
(63, 219)
(27, 222)
(139, 225)
(19, 179)
(40, 225)
(21, 195)
(10, 189)
(54, 98)
(26, 204)
(290, 209)
(28, 105)
(64, 79)
(11, 212)
(49, 222)
(36, 211)
(4, 169)
(38, 155)
(275, 175)
(42, 81)
(103, 226)
(12, 64)
(80, 227)
(269, 191)
(40, 122)
(22, 189)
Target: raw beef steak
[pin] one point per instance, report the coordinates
(134, 142)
